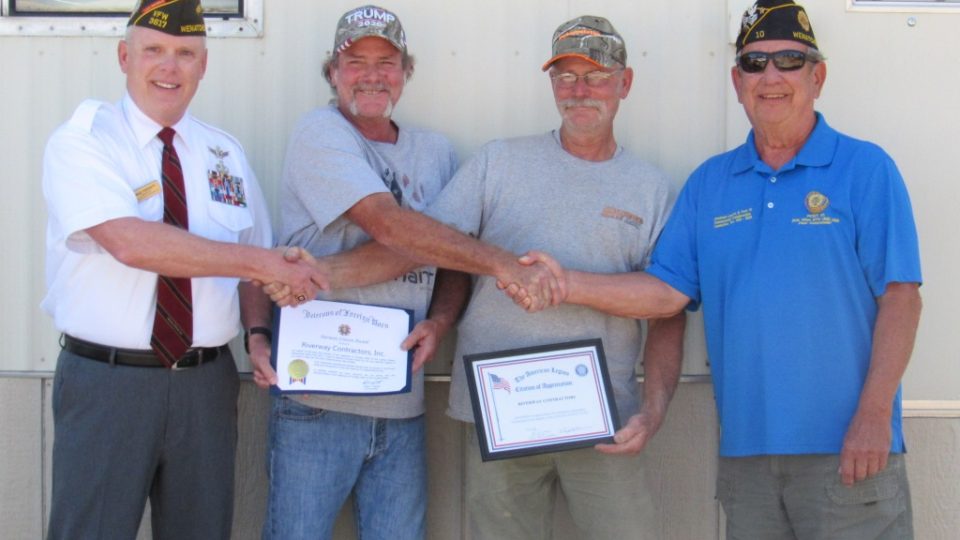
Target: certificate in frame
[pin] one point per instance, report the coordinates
(341, 348)
(541, 399)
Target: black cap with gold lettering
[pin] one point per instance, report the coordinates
(775, 19)
(174, 17)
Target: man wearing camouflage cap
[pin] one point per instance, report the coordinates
(148, 206)
(352, 174)
(802, 248)
(577, 194)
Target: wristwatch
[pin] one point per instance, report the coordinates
(256, 330)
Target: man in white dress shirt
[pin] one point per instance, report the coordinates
(156, 226)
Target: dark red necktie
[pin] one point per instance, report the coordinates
(173, 322)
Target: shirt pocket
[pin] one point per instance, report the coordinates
(228, 221)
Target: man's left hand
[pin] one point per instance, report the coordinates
(633, 437)
(866, 447)
(424, 339)
(263, 373)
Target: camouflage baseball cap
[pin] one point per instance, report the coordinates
(369, 21)
(174, 17)
(590, 38)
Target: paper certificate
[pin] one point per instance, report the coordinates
(541, 399)
(341, 348)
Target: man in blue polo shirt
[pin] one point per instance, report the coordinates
(801, 246)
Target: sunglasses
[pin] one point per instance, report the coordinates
(789, 60)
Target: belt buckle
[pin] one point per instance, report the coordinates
(190, 353)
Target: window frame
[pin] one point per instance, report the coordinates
(248, 25)
(902, 6)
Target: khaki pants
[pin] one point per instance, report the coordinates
(513, 499)
(801, 497)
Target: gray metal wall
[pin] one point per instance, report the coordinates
(682, 461)
(891, 79)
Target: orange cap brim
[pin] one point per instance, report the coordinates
(558, 57)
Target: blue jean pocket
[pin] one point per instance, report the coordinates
(290, 409)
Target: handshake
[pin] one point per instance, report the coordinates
(299, 278)
(533, 281)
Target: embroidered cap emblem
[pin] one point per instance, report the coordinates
(803, 20)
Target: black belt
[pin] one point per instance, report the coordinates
(138, 357)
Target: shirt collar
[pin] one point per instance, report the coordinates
(818, 151)
(401, 136)
(145, 129)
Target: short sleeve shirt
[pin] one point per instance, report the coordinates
(329, 168)
(104, 164)
(529, 193)
(787, 265)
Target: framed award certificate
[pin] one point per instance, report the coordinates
(541, 399)
(341, 348)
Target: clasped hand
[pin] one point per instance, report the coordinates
(293, 292)
(536, 282)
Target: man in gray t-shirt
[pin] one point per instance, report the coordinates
(578, 195)
(352, 175)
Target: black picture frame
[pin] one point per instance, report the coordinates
(544, 375)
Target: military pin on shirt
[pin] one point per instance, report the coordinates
(224, 187)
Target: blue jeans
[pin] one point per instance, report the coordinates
(317, 458)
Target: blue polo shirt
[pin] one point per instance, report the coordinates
(788, 265)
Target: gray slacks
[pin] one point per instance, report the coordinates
(125, 434)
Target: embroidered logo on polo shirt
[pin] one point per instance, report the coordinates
(623, 216)
(739, 216)
(225, 187)
(816, 204)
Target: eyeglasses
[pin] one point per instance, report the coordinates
(594, 79)
(788, 60)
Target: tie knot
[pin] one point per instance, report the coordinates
(166, 135)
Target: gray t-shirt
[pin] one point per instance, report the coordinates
(329, 167)
(529, 193)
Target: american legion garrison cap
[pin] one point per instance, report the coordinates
(775, 19)
(591, 38)
(174, 17)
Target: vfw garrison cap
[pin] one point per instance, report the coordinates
(174, 17)
(775, 19)
(591, 38)
(369, 21)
